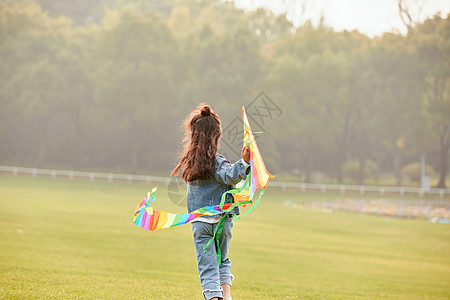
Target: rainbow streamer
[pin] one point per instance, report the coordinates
(147, 218)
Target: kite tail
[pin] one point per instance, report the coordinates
(219, 227)
(150, 219)
(217, 233)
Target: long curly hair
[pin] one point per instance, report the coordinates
(201, 141)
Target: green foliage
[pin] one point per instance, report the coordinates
(351, 169)
(432, 46)
(267, 26)
(133, 76)
(412, 171)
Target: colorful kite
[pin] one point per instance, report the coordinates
(243, 192)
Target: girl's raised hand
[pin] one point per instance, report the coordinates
(246, 154)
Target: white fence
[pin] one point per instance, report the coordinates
(361, 189)
(80, 175)
(284, 186)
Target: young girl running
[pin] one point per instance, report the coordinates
(208, 176)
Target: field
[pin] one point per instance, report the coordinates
(76, 240)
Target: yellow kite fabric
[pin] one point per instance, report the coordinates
(259, 176)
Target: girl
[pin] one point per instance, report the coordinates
(208, 176)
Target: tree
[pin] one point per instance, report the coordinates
(222, 69)
(312, 77)
(431, 39)
(35, 86)
(267, 26)
(409, 12)
(134, 80)
(396, 91)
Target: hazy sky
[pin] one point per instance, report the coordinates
(371, 17)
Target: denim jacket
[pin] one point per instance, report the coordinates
(205, 192)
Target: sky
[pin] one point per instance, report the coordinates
(372, 17)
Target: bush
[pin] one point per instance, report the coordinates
(351, 169)
(412, 171)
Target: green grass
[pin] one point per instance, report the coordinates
(76, 240)
(383, 180)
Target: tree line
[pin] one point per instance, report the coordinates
(110, 90)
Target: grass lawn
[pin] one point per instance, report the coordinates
(76, 240)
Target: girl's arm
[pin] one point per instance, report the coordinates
(228, 173)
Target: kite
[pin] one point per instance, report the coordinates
(244, 193)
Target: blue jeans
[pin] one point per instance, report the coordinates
(211, 275)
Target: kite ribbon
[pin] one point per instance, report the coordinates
(219, 227)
